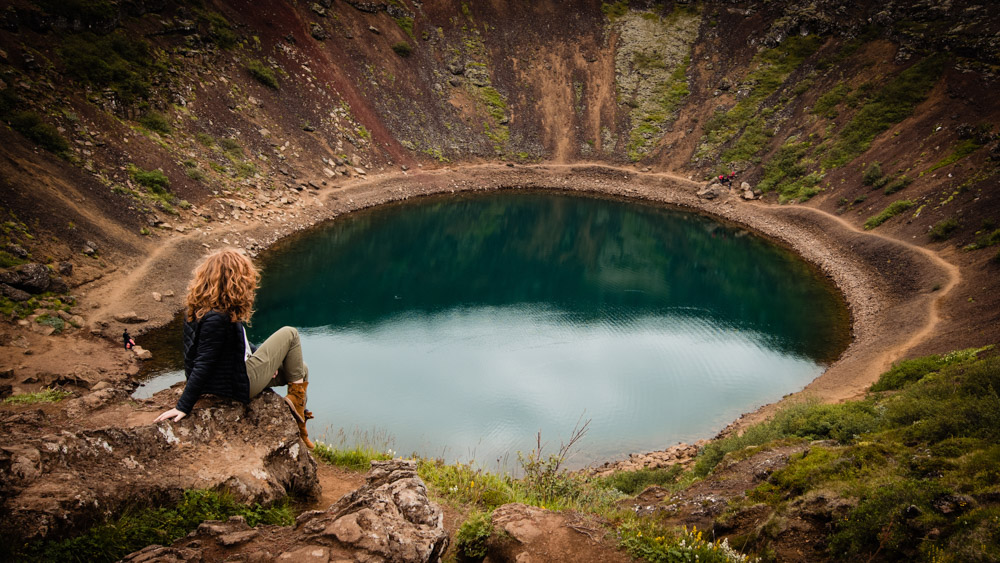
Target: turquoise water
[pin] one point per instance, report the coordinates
(462, 326)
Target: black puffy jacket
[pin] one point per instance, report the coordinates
(213, 360)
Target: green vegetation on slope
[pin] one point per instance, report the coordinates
(139, 527)
(962, 150)
(917, 460)
(117, 61)
(772, 68)
(787, 172)
(262, 73)
(892, 104)
(891, 210)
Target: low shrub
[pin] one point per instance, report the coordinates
(262, 73)
(907, 372)
(195, 174)
(154, 180)
(897, 185)
(403, 49)
(231, 146)
(614, 10)
(405, 23)
(893, 209)
(220, 30)
(205, 139)
(873, 175)
(52, 321)
(879, 522)
(985, 240)
(155, 121)
(468, 484)
(470, 540)
(713, 453)
(933, 425)
(45, 135)
(943, 229)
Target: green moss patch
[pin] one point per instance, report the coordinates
(891, 210)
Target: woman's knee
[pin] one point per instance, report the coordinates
(289, 332)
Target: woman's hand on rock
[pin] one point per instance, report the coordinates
(172, 413)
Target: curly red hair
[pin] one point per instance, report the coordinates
(226, 281)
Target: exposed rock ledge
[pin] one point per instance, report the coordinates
(389, 518)
(56, 483)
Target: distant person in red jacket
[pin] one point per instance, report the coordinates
(129, 343)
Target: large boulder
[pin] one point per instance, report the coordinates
(712, 191)
(53, 484)
(388, 519)
(33, 278)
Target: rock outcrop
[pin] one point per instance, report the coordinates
(389, 518)
(54, 484)
(31, 278)
(712, 191)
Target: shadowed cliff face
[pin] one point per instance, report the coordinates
(124, 117)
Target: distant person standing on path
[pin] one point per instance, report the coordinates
(218, 357)
(129, 343)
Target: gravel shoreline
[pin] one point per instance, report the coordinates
(890, 287)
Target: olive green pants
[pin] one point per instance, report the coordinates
(277, 362)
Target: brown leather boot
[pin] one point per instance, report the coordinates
(296, 399)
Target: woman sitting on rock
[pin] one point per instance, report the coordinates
(218, 358)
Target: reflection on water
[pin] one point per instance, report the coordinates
(465, 325)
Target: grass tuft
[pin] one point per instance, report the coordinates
(473, 534)
(365, 447)
(403, 49)
(943, 229)
(154, 180)
(262, 73)
(893, 209)
(155, 122)
(43, 396)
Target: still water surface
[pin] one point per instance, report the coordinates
(464, 325)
